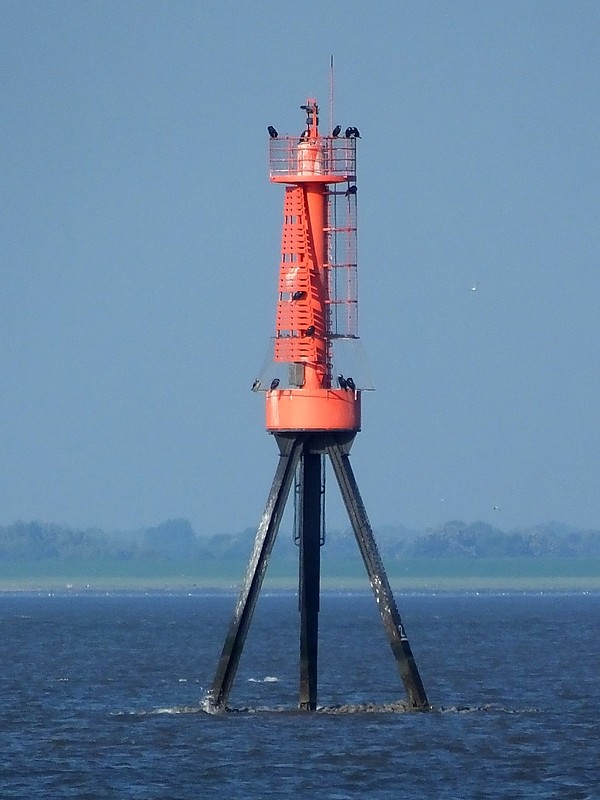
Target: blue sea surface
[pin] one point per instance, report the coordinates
(101, 697)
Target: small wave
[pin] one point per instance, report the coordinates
(206, 706)
(158, 711)
(397, 707)
(266, 679)
(489, 708)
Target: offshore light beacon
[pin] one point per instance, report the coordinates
(312, 408)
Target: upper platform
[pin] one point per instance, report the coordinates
(318, 159)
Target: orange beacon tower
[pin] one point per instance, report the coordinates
(313, 409)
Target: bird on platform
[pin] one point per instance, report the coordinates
(342, 382)
(304, 135)
(352, 133)
(351, 384)
(336, 131)
(351, 190)
(298, 295)
(256, 385)
(310, 331)
(272, 132)
(274, 383)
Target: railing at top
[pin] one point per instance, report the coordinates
(290, 156)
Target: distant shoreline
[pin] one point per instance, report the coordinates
(411, 575)
(409, 586)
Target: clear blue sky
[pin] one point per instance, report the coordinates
(139, 246)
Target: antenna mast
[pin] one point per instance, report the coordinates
(331, 92)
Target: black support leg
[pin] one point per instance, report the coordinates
(290, 453)
(377, 575)
(310, 569)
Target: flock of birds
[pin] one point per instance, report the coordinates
(257, 384)
(347, 384)
(349, 133)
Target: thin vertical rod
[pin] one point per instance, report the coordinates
(377, 576)
(310, 575)
(290, 452)
(331, 92)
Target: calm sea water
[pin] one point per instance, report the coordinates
(100, 697)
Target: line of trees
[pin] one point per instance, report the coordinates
(175, 540)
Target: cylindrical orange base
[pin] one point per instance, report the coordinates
(313, 410)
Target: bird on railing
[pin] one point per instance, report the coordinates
(310, 331)
(256, 385)
(336, 131)
(351, 384)
(274, 383)
(342, 382)
(351, 190)
(272, 132)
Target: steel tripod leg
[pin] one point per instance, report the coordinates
(377, 575)
(310, 568)
(290, 452)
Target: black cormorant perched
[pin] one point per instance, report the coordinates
(336, 131)
(272, 132)
(352, 133)
(356, 132)
(310, 331)
(342, 382)
(274, 383)
(351, 384)
(351, 190)
(256, 385)
(298, 295)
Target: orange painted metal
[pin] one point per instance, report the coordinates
(302, 293)
(313, 410)
(303, 336)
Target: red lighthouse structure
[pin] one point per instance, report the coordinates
(312, 408)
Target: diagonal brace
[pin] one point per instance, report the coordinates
(290, 451)
(377, 575)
